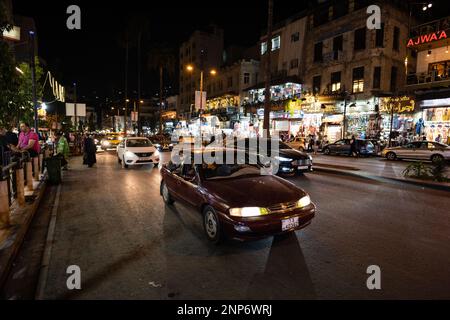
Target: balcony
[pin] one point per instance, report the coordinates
(428, 80)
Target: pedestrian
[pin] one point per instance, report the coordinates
(353, 147)
(316, 146)
(438, 139)
(28, 141)
(62, 149)
(90, 150)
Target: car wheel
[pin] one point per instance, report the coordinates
(391, 156)
(326, 151)
(166, 194)
(437, 158)
(211, 225)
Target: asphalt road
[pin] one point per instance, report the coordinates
(113, 224)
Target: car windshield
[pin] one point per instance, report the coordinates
(227, 171)
(138, 143)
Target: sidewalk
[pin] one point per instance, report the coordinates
(372, 168)
(12, 238)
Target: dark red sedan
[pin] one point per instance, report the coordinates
(236, 201)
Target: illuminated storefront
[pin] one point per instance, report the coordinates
(436, 119)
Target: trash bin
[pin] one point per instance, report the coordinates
(54, 170)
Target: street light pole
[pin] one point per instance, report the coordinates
(201, 102)
(33, 79)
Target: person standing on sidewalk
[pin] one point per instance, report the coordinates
(353, 147)
(62, 149)
(90, 150)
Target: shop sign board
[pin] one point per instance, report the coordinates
(427, 38)
(81, 110)
(403, 104)
(223, 102)
(433, 103)
(199, 105)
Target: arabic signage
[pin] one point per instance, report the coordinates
(400, 104)
(223, 102)
(427, 38)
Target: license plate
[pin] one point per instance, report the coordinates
(145, 159)
(289, 224)
(303, 168)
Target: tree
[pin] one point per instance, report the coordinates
(162, 58)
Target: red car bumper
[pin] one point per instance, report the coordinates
(265, 226)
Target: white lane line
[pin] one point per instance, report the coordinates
(43, 274)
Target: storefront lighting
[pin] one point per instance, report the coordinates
(429, 52)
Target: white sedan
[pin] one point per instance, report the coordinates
(137, 151)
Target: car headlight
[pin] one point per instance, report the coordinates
(129, 154)
(156, 154)
(304, 202)
(96, 141)
(105, 143)
(283, 159)
(157, 145)
(120, 138)
(248, 212)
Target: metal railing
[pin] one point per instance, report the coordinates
(18, 171)
(424, 78)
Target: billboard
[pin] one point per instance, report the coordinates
(81, 109)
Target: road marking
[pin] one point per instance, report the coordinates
(43, 274)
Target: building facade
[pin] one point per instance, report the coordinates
(204, 51)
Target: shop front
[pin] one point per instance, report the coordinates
(435, 123)
(404, 115)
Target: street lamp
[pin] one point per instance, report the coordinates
(212, 72)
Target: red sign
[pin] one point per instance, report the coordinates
(427, 38)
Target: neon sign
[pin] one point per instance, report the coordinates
(427, 38)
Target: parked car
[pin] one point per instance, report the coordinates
(137, 151)
(420, 150)
(235, 200)
(290, 160)
(363, 147)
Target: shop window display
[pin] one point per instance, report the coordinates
(437, 122)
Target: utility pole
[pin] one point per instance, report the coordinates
(126, 87)
(139, 84)
(75, 105)
(268, 96)
(160, 97)
(33, 79)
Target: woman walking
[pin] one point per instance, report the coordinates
(90, 150)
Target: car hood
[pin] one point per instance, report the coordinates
(257, 191)
(142, 149)
(293, 154)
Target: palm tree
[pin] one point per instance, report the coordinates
(162, 58)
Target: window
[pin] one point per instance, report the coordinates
(360, 39)
(317, 81)
(276, 43)
(295, 37)
(358, 80)
(294, 63)
(379, 37)
(394, 72)
(318, 56)
(246, 78)
(396, 39)
(337, 46)
(377, 78)
(335, 81)
(230, 82)
(263, 48)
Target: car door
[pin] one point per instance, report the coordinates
(188, 185)
(422, 152)
(337, 146)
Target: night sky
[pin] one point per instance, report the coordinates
(93, 57)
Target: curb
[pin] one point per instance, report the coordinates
(43, 274)
(418, 183)
(19, 236)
